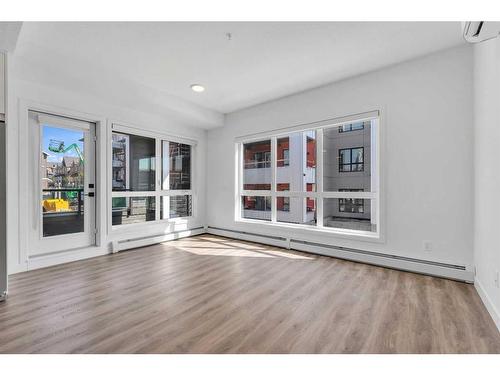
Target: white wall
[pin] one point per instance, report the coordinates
(427, 114)
(487, 176)
(20, 90)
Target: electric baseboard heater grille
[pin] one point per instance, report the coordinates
(153, 239)
(372, 253)
(427, 267)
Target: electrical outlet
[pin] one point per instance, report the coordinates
(427, 245)
(497, 279)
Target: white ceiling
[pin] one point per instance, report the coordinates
(261, 62)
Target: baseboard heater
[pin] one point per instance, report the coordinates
(154, 239)
(247, 236)
(451, 271)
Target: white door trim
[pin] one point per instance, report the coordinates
(25, 105)
(39, 243)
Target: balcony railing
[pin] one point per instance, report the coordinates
(257, 164)
(280, 163)
(63, 221)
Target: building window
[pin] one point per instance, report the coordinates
(348, 205)
(351, 159)
(299, 195)
(176, 206)
(258, 155)
(257, 165)
(310, 151)
(283, 152)
(257, 208)
(136, 197)
(286, 157)
(351, 205)
(352, 127)
(263, 159)
(283, 203)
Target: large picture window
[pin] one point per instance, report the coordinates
(138, 162)
(298, 178)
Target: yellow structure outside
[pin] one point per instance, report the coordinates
(56, 205)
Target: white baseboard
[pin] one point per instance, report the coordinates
(429, 268)
(17, 268)
(42, 261)
(151, 240)
(495, 314)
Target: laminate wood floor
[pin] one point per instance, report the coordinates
(209, 294)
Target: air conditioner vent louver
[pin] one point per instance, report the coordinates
(479, 31)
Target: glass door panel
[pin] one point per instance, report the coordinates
(62, 173)
(62, 164)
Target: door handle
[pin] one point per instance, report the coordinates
(90, 194)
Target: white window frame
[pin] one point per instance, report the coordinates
(159, 192)
(319, 195)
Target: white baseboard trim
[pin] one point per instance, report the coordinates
(151, 240)
(42, 261)
(405, 265)
(384, 260)
(495, 314)
(18, 268)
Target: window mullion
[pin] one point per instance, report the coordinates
(319, 177)
(273, 180)
(171, 193)
(192, 178)
(166, 178)
(239, 181)
(157, 178)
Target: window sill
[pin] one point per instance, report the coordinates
(349, 234)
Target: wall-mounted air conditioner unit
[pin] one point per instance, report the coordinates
(479, 31)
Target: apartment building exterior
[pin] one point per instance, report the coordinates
(295, 171)
(347, 155)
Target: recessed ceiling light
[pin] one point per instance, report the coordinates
(197, 88)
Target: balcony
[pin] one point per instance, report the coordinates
(63, 211)
(284, 174)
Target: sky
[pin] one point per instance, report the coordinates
(68, 136)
